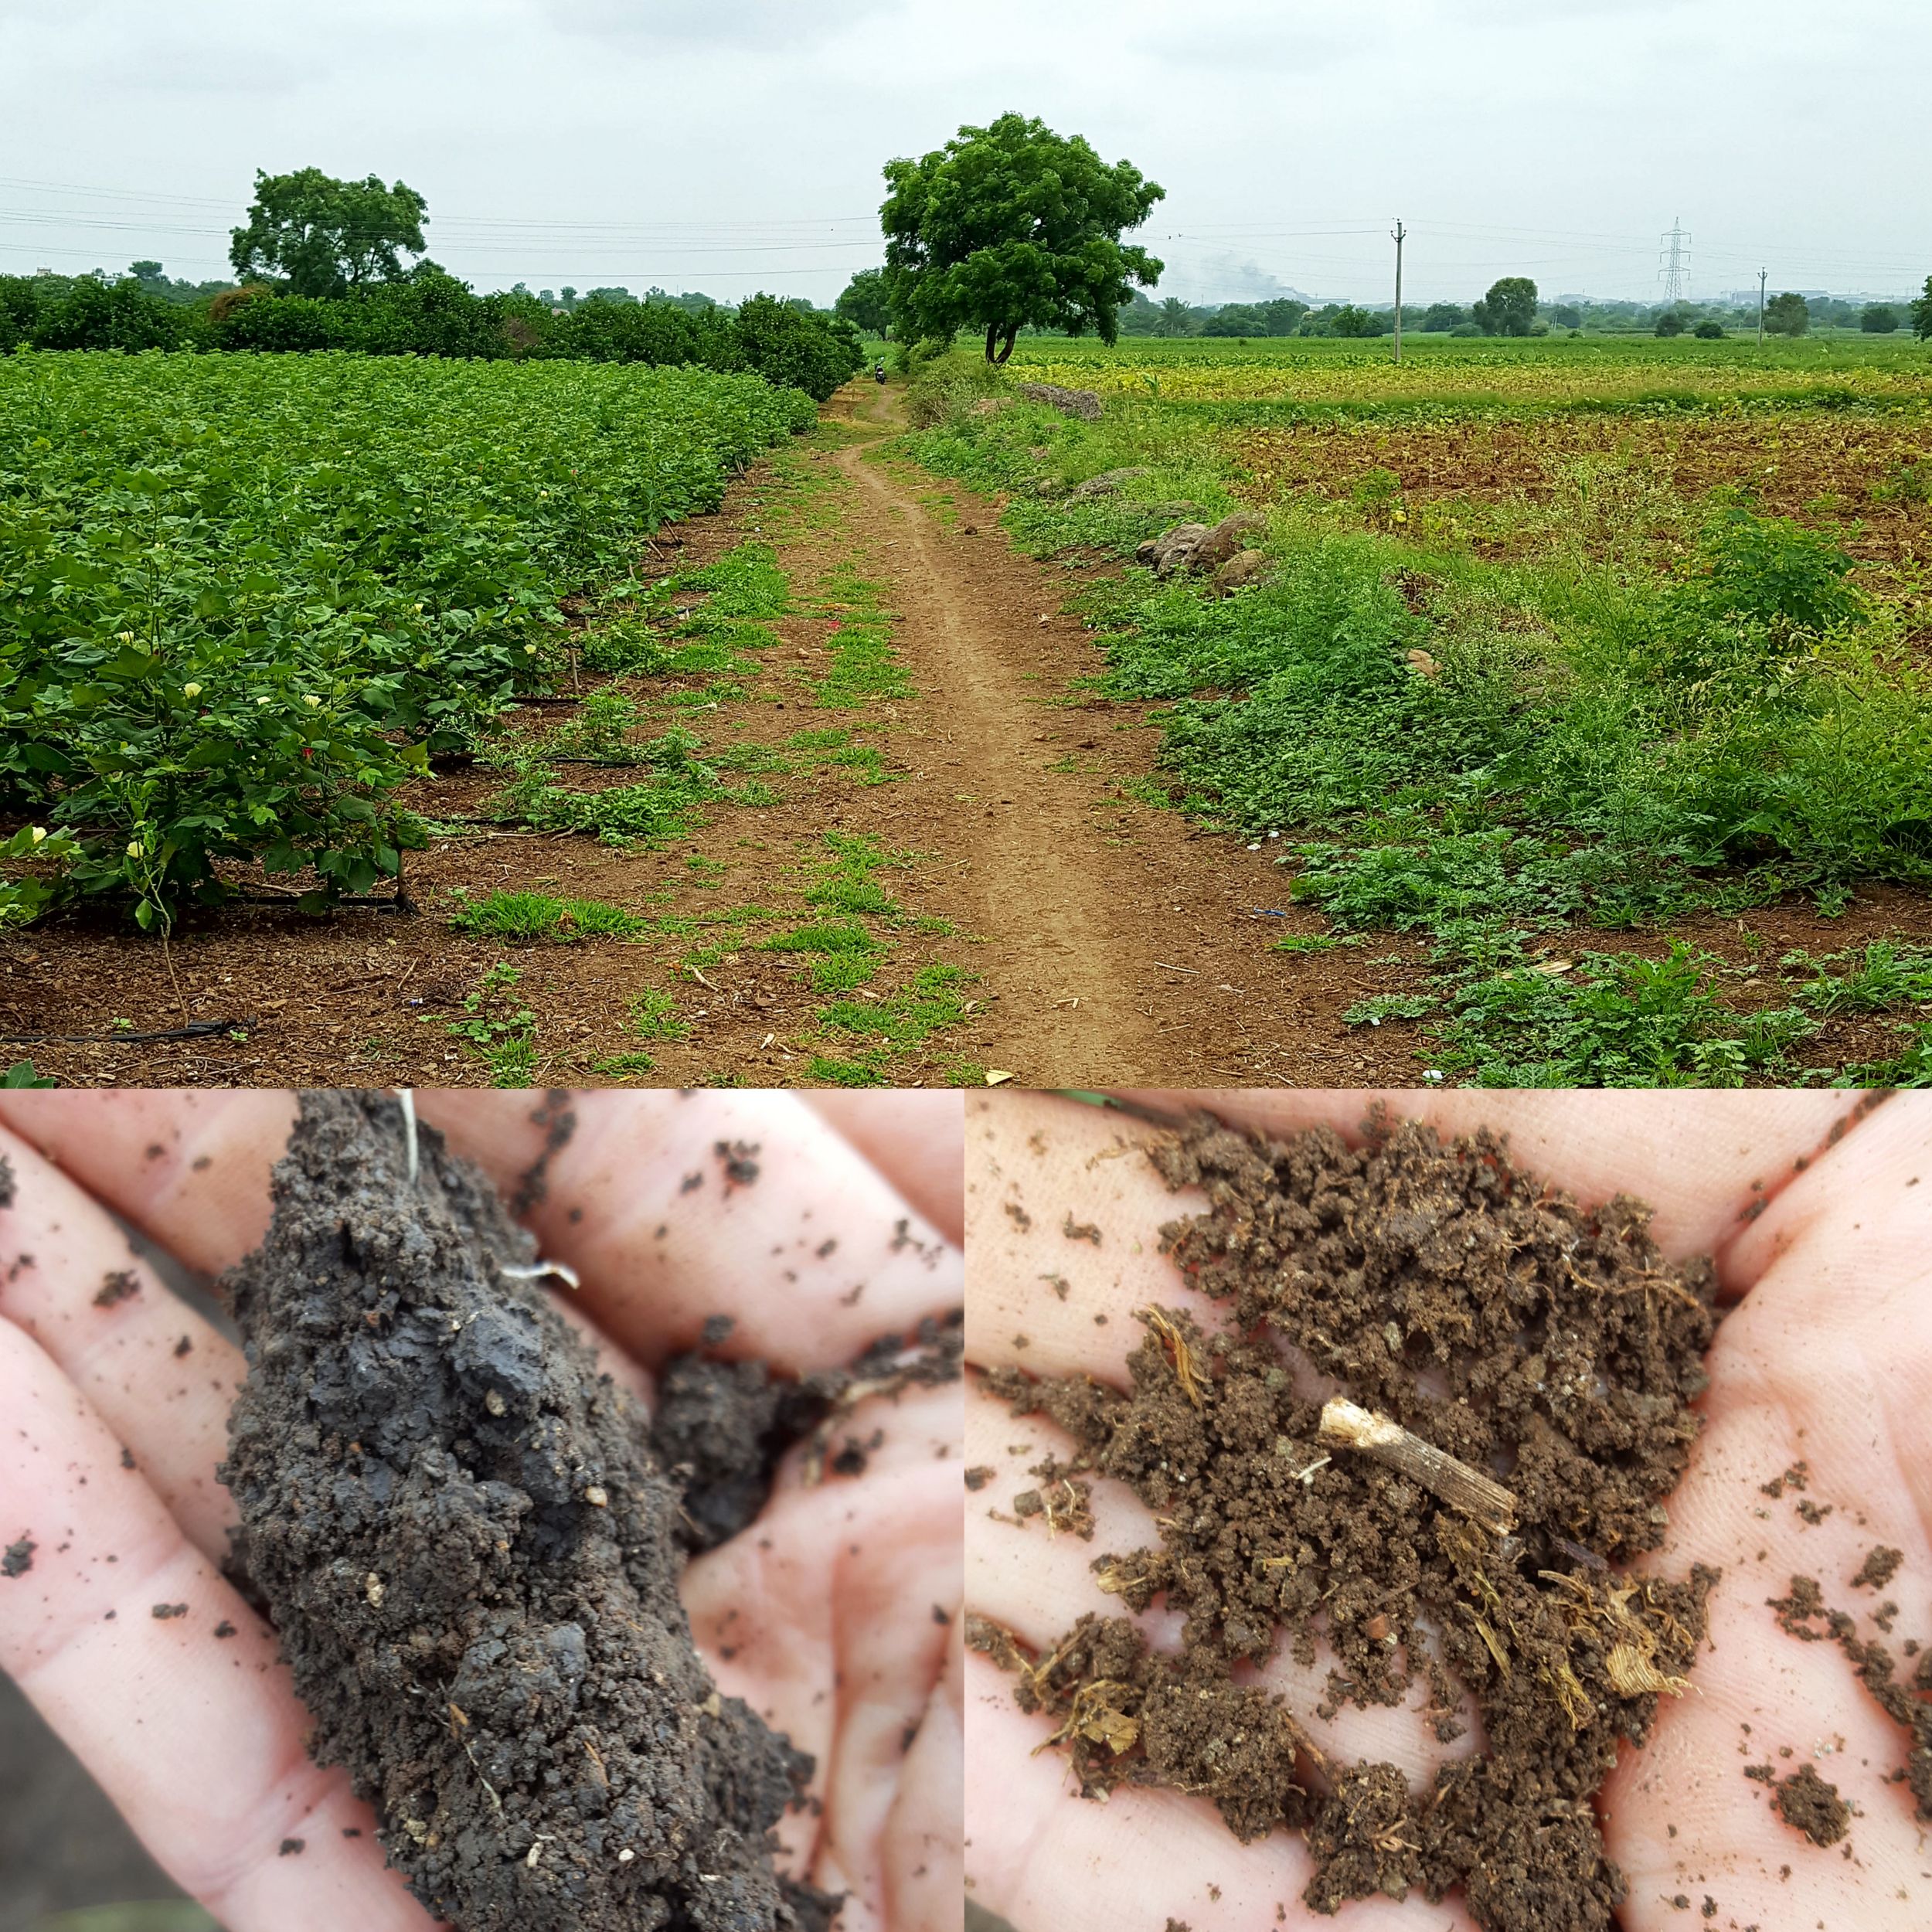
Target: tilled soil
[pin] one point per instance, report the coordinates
(1535, 1364)
(467, 1551)
(1108, 941)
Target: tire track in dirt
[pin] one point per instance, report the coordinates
(1038, 878)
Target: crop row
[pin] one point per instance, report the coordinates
(242, 597)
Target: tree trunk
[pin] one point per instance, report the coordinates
(992, 331)
(1006, 348)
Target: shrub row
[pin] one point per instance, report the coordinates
(435, 315)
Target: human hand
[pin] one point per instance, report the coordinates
(1818, 1213)
(821, 1615)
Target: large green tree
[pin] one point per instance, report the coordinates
(323, 236)
(863, 303)
(1012, 225)
(1789, 314)
(1509, 308)
(1922, 312)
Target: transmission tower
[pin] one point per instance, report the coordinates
(1676, 273)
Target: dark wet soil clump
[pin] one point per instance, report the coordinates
(18, 1557)
(1518, 1344)
(468, 1548)
(721, 1428)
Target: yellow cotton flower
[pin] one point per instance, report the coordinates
(38, 833)
(134, 848)
(312, 702)
(191, 691)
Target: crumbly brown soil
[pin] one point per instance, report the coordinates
(468, 1550)
(1551, 1347)
(1807, 1804)
(1804, 1614)
(1113, 941)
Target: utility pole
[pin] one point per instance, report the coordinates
(1761, 274)
(1399, 234)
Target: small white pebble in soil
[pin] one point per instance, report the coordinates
(596, 1496)
(373, 1584)
(493, 1402)
(626, 1855)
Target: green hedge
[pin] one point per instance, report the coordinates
(435, 315)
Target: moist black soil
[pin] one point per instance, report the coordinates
(720, 1428)
(1548, 1347)
(18, 1557)
(468, 1548)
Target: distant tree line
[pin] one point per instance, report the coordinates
(322, 267)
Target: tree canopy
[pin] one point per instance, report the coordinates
(322, 236)
(1509, 308)
(1010, 225)
(1789, 314)
(1922, 312)
(863, 303)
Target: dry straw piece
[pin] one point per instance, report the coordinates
(1346, 1425)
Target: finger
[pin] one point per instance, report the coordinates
(1826, 1361)
(197, 1738)
(1707, 1162)
(913, 1139)
(830, 1617)
(191, 1170)
(924, 1865)
(1039, 1855)
(1037, 1584)
(1062, 1213)
(157, 1375)
(675, 1208)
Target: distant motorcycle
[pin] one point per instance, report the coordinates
(879, 371)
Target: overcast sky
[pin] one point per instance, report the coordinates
(733, 145)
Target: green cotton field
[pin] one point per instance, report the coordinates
(1552, 642)
(243, 598)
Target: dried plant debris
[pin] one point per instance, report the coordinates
(466, 1549)
(1515, 1376)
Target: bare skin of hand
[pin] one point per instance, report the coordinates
(834, 1614)
(1818, 1211)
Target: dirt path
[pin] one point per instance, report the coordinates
(1039, 877)
(944, 852)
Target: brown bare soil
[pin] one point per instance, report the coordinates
(1816, 465)
(1109, 941)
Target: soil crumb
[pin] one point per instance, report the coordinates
(1876, 1668)
(6, 1182)
(479, 1599)
(722, 1427)
(1511, 1333)
(736, 1158)
(118, 1286)
(1808, 1805)
(18, 1557)
(557, 1120)
(1879, 1568)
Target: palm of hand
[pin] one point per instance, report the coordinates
(833, 1615)
(1823, 1236)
